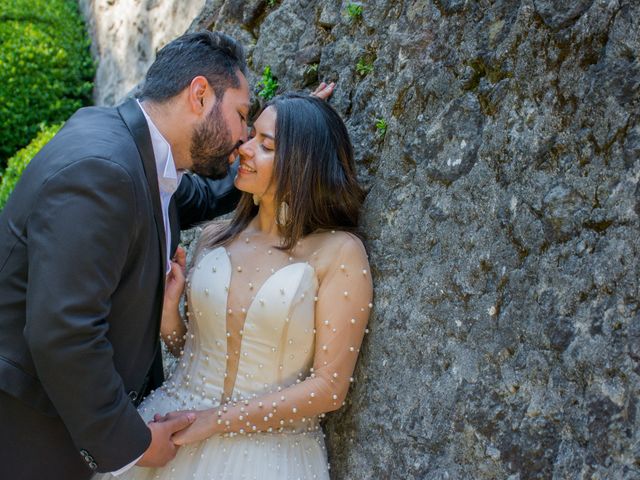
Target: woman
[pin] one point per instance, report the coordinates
(278, 302)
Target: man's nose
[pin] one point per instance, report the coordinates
(233, 156)
(245, 134)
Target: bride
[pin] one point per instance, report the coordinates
(277, 305)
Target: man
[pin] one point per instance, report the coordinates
(85, 243)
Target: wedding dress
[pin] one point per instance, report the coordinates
(264, 334)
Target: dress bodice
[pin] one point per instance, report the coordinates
(276, 340)
(273, 336)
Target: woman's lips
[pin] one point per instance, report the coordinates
(244, 169)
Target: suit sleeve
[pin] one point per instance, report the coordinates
(78, 236)
(200, 198)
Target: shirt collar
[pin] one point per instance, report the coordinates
(168, 176)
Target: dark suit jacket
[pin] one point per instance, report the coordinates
(82, 256)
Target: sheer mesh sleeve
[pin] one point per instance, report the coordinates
(341, 315)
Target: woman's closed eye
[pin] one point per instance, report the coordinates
(265, 147)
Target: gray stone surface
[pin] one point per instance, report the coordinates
(126, 35)
(502, 224)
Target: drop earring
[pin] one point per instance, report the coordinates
(256, 200)
(283, 216)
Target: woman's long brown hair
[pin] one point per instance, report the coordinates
(315, 174)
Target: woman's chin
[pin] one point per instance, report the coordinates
(238, 183)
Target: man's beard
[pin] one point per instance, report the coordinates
(211, 146)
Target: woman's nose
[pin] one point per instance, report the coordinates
(245, 149)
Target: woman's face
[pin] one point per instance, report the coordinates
(255, 174)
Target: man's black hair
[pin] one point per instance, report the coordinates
(214, 55)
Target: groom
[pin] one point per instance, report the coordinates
(85, 243)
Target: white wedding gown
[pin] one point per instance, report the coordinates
(254, 327)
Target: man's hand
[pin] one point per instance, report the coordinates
(162, 449)
(324, 91)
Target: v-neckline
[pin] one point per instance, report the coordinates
(258, 292)
(249, 311)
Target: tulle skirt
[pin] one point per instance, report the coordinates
(259, 457)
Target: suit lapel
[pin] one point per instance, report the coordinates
(137, 125)
(174, 223)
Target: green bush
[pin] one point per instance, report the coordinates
(17, 163)
(46, 70)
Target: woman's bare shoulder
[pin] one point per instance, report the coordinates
(334, 248)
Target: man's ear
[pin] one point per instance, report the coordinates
(200, 93)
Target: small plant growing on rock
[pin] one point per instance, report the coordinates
(381, 127)
(313, 68)
(363, 68)
(354, 11)
(268, 84)
(271, 3)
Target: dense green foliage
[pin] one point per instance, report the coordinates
(17, 163)
(46, 68)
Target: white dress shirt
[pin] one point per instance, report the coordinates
(168, 177)
(168, 181)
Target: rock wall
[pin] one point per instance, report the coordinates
(502, 223)
(126, 35)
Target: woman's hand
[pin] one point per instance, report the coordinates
(202, 428)
(172, 328)
(174, 285)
